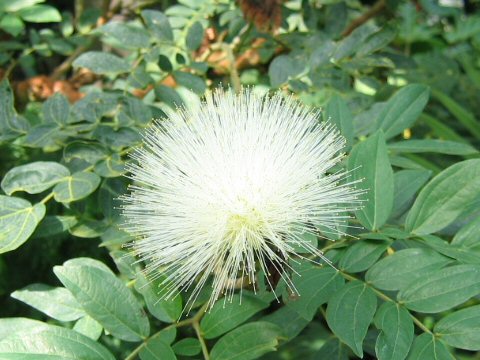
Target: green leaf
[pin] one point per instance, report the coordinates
(158, 25)
(363, 254)
(94, 106)
(56, 109)
(167, 335)
(402, 109)
(369, 161)
(136, 111)
(56, 302)
(338, 113)
(194, 36)
(108, 195)
(46, 136)
(76, 187)
(465, 27)
(461, 329)
(467, 236)
(396, 271)
(113, 166)
(126, 263)
(7, 110)
(66, 27)
(440, 290)
(464, 255)
(465, 117)
(248, 341)
(87, 228)
(34, 177)
(426, 346)
(11, 125)
(40, 14)
(12, 24)
(315, 285)
(405, 163)
(303, 243)
(119, 138)
(168, 96)
(114, 236)
(289, 320)
(90, 152)
(283, 68)
(445, 197)
(377, 41)
(349, 45)
(164, 310)
(187, 347)
(54, 225)
(225, 316)
(397, 331)
(139, 78)
(15, 5)
(18, 325)
(130, 37)
(406, 185)
(441, 129)
(89, 327)
(157, 349)
(54, 342)
(350, 312)
(88, 20)
(18, 220)
(190, 81)
(332, 349)
(102, 63)
(435, 146)
(105, 298)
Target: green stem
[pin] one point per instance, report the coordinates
(15, 62)
(131, 283)
(334, 245)
(196, 326)
(46, 198)
(193, 321)
(385, 297)
(234, 77)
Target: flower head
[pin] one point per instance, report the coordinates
(231, 188)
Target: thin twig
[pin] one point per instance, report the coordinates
(67, 63)
(234, 77)
(46, 198)
(196, 326)
(377, 8)
(193, 321)
(16, 61)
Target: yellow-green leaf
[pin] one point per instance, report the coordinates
(18, 220)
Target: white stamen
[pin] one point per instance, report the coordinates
(226, 189)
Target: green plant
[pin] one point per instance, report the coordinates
(399, 79)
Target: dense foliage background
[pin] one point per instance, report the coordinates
(81, 79)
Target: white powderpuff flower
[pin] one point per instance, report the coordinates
(230, 188)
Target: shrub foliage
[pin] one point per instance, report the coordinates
(400, 79)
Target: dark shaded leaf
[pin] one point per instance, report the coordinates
(354, 304)
(247, 342)
(369, 161)
(225, 316)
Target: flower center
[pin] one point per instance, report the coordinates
(245, 224)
